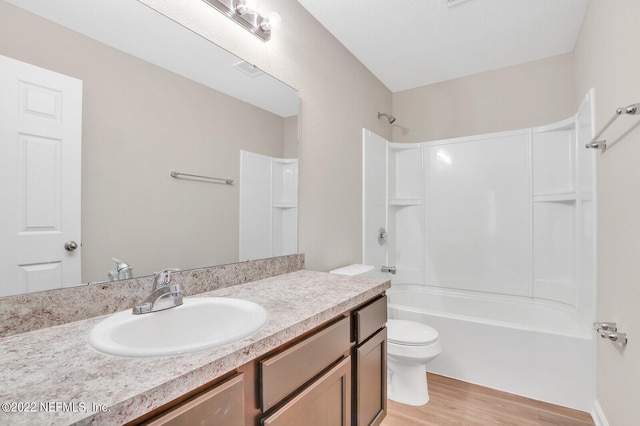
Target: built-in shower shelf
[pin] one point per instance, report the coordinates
(405, 202)
(555, 197)
(285, 204)
(400, 146)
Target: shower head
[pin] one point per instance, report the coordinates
(391, 118)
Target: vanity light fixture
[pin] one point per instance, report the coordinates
(243, 13)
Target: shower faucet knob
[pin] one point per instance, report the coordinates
(382, 236)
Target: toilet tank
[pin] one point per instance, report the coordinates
(355, 270)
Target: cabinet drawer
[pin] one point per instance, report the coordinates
(370, 319)
(326, 401)
(222, 405)
(287, 371)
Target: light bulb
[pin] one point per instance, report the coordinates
(271, 21)
(274, 20)
(242, 7)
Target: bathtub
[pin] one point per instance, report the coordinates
(519, 346)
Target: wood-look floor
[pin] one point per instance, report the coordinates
(453, 402)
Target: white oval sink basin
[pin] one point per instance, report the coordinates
(196, 325)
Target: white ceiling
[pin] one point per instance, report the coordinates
(413, 43)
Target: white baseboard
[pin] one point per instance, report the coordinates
(598, 415)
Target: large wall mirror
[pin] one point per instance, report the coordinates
(156, 98)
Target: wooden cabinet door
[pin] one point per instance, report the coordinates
(371, 380)
(223, 405)
(327, 401)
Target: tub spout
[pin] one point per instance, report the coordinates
(391, 269)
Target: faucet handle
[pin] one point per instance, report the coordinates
(163, 277)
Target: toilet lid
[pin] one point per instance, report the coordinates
(410, 333)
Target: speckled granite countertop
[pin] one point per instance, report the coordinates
(59, 379)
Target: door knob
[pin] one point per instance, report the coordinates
(70, 245)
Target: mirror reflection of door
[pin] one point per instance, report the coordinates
(40, 153)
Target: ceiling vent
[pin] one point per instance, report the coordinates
(450, 3)
(248, 69)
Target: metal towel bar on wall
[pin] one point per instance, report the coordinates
(179, 175)
(633, 109)
(609, 330)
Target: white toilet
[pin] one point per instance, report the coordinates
(410, 346)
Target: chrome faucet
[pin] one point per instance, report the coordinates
(124, 271)
(164, 295)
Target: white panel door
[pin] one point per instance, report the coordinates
(374, 198)
(40, 147)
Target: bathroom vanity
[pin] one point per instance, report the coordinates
(322, 354)
(323, 378)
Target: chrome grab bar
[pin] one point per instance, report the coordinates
(177, 175)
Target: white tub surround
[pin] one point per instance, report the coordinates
(509, 213)
(501, 229)
(57, 363)
(268, 206)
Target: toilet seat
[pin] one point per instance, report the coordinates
(410, 333)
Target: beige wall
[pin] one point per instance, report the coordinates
(290, 148)
(517, 97)
(338, 97)
(608, 58)
(139, 123)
